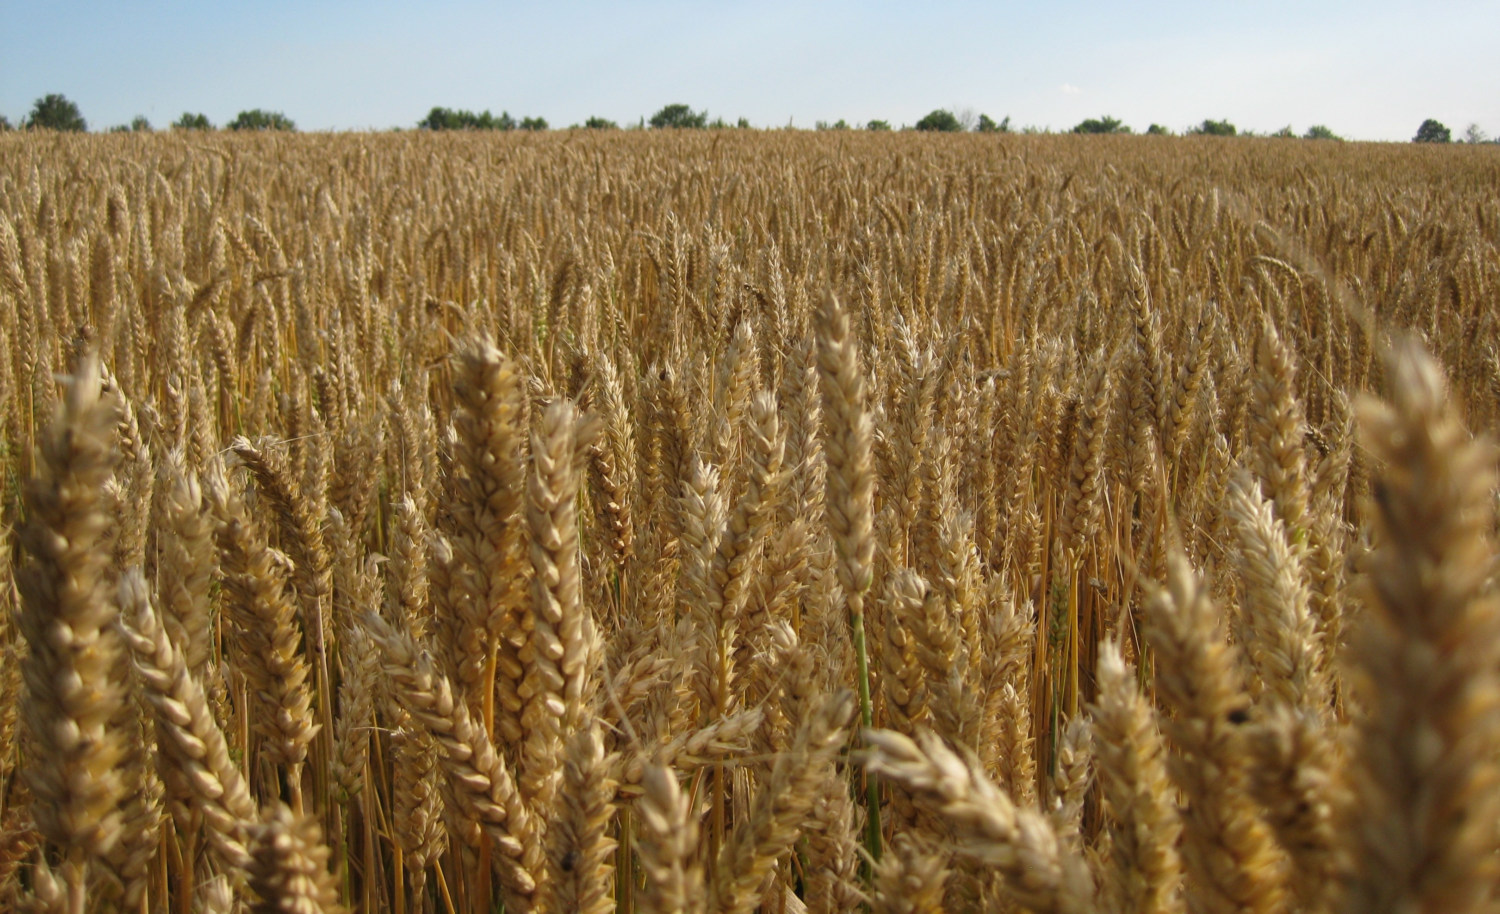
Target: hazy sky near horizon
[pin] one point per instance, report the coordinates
(1368, 70)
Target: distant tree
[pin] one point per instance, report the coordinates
(1285, 133)
(743, 123)
(1320, 132)
(190, 121)
(260, 119)
(440, 118)
(1432, 131)
(1104, 124)
(986, 124)
(679, 115)
(941, 120)
(718, 123)
(1473, 134)
(1214, 128)
(878, 125)
(599, 123)
(533, 123)
(4, 123)
(56, 112)
(139, 124)
(1157, 130)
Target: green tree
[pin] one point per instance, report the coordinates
(440, 118)
(1214, 128)
(190, 121)
(533, 123)
(987, 125)
(679, 115)
(1285, 133)
(878, 125)
(1104, 124)
(599, 123)
(260, 119)
(139, 124)
(4, 123)
(1475, 134)
(1432, 131)
(1157, 130)
(56, 112)
(1320, 132)
(743, 124)
(941, 120)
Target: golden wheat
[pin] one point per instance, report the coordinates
(429, 523)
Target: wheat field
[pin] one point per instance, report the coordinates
(724, 521)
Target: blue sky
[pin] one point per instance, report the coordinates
(1369, 70)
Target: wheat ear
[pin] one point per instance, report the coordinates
(910, 878)
(490, 419)
(848, 440)
(1144, 872)
(563, 656)
(1294, 749)
(1423, 826)
(269, 642)
(201, 781)
(614, 464)
(301, 526)
(416, 803)
(781, 808)
(667, 845)
(186, 562)
(67, 617)
(1041, 871)
(1279, 426)
(289, 866)
(482, 784)
(1231, 860)
(833, 847)
(582, 851)
(1284, 648)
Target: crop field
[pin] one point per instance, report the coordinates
(722, 521)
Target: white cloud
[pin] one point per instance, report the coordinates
(1070, 89)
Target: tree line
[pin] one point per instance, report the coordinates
(56, 112)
